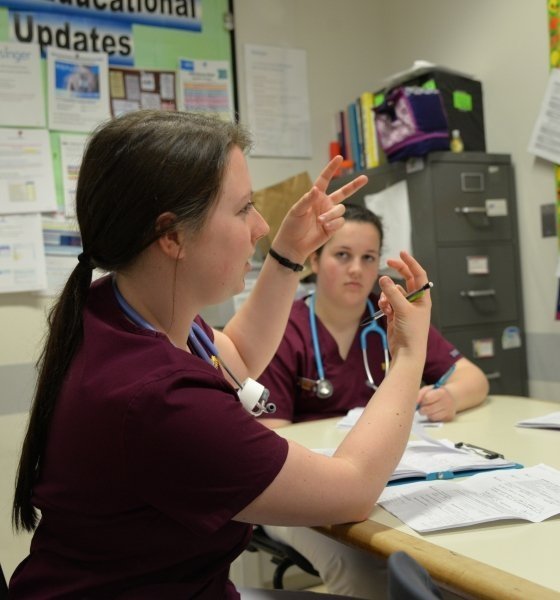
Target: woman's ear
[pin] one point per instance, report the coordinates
(170, 236)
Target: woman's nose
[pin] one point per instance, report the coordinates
(355, 266)
(260, 228)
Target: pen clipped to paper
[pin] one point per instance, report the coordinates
(410, 297)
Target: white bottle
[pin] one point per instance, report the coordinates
(456, 143)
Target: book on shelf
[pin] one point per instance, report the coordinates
(356, 132)
(348, 154)
(353, 135)
(371, 151)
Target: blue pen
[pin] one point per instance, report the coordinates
(443, 379)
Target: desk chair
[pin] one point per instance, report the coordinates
(3, 586)
(408, 580)
(282, 555)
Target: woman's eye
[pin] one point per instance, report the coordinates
(247, 208)
(370, 258)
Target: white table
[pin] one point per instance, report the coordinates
(505, 560)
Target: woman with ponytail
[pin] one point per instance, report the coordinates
(141, 470)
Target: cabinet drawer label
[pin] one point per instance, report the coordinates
(477, 265)
(511, 338)
(483, 348)
(496, 207)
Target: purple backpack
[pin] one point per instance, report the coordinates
(411, 122)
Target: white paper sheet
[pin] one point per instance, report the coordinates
(21, 87)
(549, 421)
(78, 87)
(545, 139)
(71, 151)
(22, 258)
(531, 494)
(205, 86)
(277, 101)
(26, 173)
(352, 416)
(391, 205)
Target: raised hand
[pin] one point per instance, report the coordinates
(407, 322)
(314, 218)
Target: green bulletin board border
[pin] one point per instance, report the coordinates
(157, 48)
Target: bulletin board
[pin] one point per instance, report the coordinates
(180, 45)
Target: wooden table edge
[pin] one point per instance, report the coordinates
(453, 570)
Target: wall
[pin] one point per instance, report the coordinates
(353, 45)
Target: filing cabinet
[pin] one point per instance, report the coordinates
(464, 231)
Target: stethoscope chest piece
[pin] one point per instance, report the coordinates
(323, 388)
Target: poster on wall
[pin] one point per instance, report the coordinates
(545, 139)
(205, 86)
(22, 257)
(21, 89)
(26, 173)
(277, 101)
(134, 89)
(71, 151)
(78, 90)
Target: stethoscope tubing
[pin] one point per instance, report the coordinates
(372, 327)
(202, 344)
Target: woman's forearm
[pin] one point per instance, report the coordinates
(257, 327)
(468, 385)
(377, 441)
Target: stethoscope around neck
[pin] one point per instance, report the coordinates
(252, 395)
(323, 388)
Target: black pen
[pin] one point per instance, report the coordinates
(410, 297)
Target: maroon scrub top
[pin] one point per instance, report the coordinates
(149, 457)
(295, 358)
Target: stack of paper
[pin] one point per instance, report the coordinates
(531, 494)
(550, 421)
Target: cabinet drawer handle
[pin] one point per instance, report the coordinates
(477, 293)
(494, 375)
(466, 210)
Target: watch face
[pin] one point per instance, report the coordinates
(324, 388)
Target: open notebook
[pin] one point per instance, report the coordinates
(438, 459)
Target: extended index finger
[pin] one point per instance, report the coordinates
(325, 177)
(348, 189)
(323, 181)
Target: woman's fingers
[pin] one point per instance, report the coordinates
(410, 270)
(323, 181)
(348, 189)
